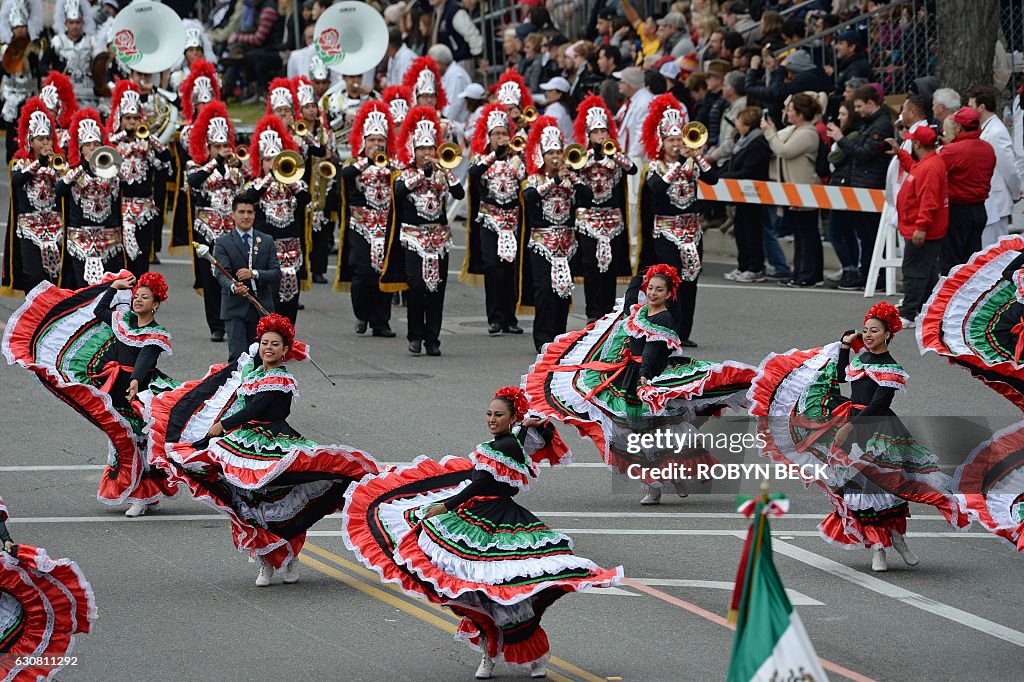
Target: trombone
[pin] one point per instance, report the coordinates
(59, 164)
(575, 156)
(242, 152)
(609, 148)
(288, 168)
(300, 128)
(695, 135)
(142, 131)
(380, 159)
(105, 162)
(449, 155)
(518, 143)
(528, 116)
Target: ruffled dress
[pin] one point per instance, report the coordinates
(272, 483)
(590, 379)
(44, 604)
(880, 466)
(488, 559)
(86, 352)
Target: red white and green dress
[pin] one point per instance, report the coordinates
(488, 559)
(85, 348)
(44, 604)
(590, 379)
(272, 483)
(880, 466)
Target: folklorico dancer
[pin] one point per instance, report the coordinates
(495, 176)
(199, 88)
(281, 211)
(19, 20)
(72, 48)
(46, 603)
(511, 91)
(318, 148)
(601, 228)
(35, 232)
(551, 196)
(420, 229)
(669, 228)
(58, 94)
(452, 533)
(214, 177)
(873, 464)
(423, 80)
(91, 208)
(365, 210)
(626, 374)
(227, 440)
(146, 165)
(97, 357)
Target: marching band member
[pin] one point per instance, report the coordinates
(320, 77)
(366, 205)
(397, 98)
(421, 229)
(495, 176)
(601, 229)
(58, 94)
(319, 177)
(146, 164)
(197, 48)
(551, 196)
(32, 251)
(512, 92)
(281, 101)
(346, 104)
(214, 176)
(281, 211)
(20, 20)
(423, 79)
(91, 206)
(669, 228)
(71, 50)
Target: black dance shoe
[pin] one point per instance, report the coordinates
(361, 326)
(415, 347)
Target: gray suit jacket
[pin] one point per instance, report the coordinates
(231, 253)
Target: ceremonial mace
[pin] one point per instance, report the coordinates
(203, 251)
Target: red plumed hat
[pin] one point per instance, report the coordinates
(406, 135)
(272, 94)
(74, 156)
(200, 69)
(34, 104)
(122, 87)
(67, 102)
(887, 313)
(397, 92)
(155, 282)
(356, 137)
(298, 82)
(481, 134)
(198, 139)
(279, 324)
(269, 124)
(505, 93)
(533, 153)
(587, 120)
(656, 116)
(423, 74)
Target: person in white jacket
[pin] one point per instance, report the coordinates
(913, 115)
(1006, 181)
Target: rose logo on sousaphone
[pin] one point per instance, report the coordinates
(328, 47)
(124, 45)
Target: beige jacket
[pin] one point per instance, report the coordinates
(795, 150)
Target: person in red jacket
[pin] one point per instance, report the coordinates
(970, 162)
(923, 209)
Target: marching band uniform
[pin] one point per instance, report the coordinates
(365, 209)
(70, 56)
(601, 228)
(421, 229)
(146, 164)
(495, 177)
(423, 80)
(199, 88)
(93, 243)
(281, 213)
(549, 204)
(212, 185)
(669, 228)
(319, 143)
(511, 91)
(58, 94)
(32, 252)
(19, 17)
(397, 98)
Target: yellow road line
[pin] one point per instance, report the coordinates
(390, 596)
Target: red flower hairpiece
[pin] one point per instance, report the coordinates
(666, 271)
(888, 314)
(517, 396)
(278, 324)
(155, 282)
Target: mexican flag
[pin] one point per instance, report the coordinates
(771, 644)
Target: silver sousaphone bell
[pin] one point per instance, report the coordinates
(350, 37)
(105, 162)
(148, 37)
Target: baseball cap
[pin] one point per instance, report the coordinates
(670, 70)
(673, 19)
(632, 75)
(968, 118)
(473, 91)
(923, 134)
(852, 37)
(556, 83)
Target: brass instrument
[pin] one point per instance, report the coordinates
(575, 156)
(289, 168)
(518, 143)
(59, 164)
(105, 162)
(609, 148)
(99, 74)
(449, 155)
(14, 56)
(242, 152)
(300, 128)
(142, 131)
(321, 181)
(528, 116)
(695, 135)
(380, 159)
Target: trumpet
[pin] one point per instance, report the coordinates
(609, 148)
(142, 131)
(449, 155)
(518, 143)
(300, 128)
(380, 159)
(105, 162)
(59, 164)
(288, 168)
(695, 135)
(575, 156)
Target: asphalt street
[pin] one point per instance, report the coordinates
(177, 602)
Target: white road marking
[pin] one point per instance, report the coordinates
(797, 598)
(919, 601)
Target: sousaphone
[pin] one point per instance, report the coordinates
(148, 37)
(350, 37)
